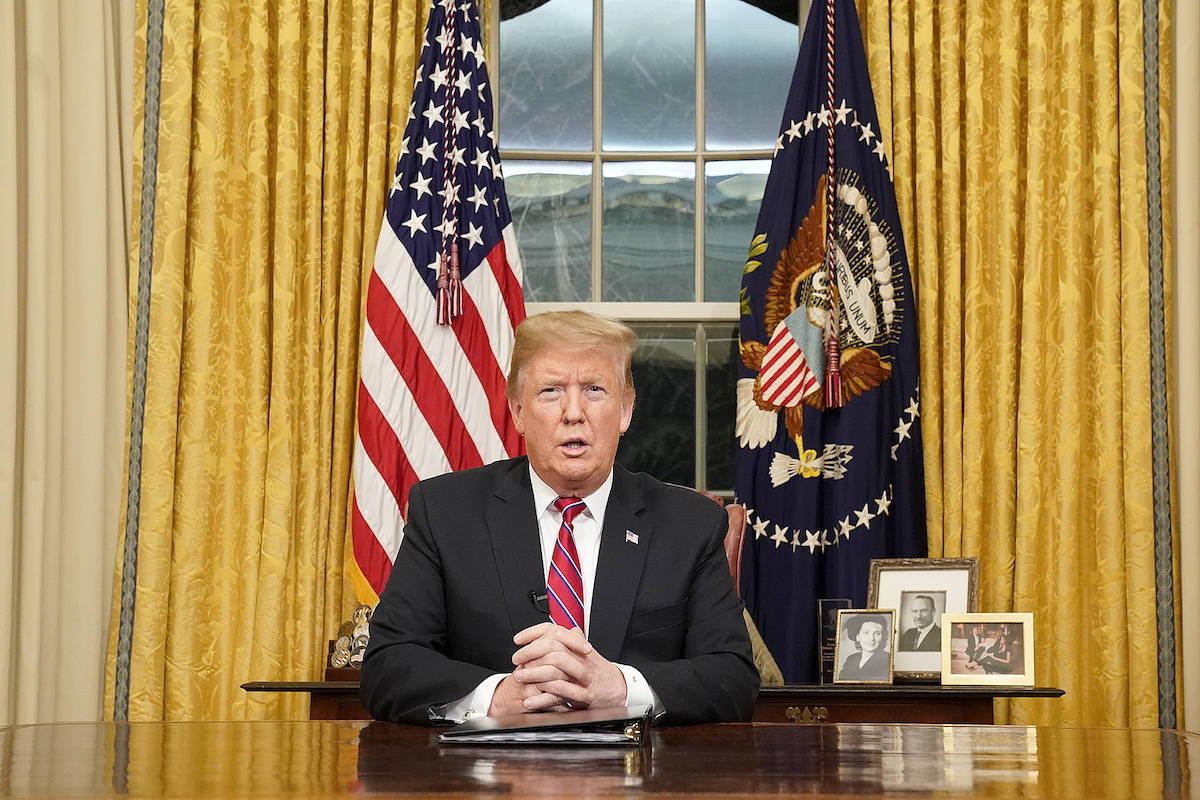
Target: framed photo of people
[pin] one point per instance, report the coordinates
(987, 649)
(864, 645)
(920, 591)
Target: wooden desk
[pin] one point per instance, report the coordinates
(836, 703)
(343, 759)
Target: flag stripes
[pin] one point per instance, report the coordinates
(431, 395)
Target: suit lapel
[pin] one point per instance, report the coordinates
(516, 546)
(619, 568)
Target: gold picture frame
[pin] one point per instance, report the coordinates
(904, 584)
(987, 649)
(869, 670)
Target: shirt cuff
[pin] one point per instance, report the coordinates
(638, 691)
(475, 704)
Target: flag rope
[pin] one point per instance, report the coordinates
(833, 383)
(449, 282)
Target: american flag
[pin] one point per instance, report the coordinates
(443, 300)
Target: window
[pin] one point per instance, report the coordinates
(636, 139)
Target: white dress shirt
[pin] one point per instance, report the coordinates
(586, 531)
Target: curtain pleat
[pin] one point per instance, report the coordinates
(275, 126)
(1019, 152)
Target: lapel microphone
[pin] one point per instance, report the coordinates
(541, 600)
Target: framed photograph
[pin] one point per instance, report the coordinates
(864, 645)
(920, 591)
(987, 649)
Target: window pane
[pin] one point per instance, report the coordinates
(749, 58)
(720, 376)
(648, 232)
(551, 203)
(649, 75)
(733, 192)
(546, 75)
(661, 439)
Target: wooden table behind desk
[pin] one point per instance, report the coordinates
(344, 759)
(832, 703)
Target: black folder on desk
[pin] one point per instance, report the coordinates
(607, 726)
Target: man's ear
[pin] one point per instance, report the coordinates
(514, 408)
(626, 413)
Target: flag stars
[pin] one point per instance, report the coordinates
(397, 183)
(812, 540)
(446, 228)
(864, 516)
(433, 114)
(460, 120)
(760, 528)
(914, 409)
(825, 117)
(474, 235)
(808, 122)
(477, 124)
(449, 194)
(456, 157)
(867, 134)
(463, 84)
(883, 504)
(879, 150)
(778, 146)
(780, 536)
(439, 77)
(793, 132)
(426, 151)
(844, 527)
(403, 148)
(421, 186)
(901, 430)
(415, 223)
(479, 198)
(842, 112)
(445, 39)
(481, 161)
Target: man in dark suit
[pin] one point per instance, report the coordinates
(461, 629)
(923, 636)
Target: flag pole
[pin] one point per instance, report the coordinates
(833, 382)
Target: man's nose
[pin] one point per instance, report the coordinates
(572, 405)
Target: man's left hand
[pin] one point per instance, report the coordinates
(562, 662)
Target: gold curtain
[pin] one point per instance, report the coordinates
(1018, 134)
(266, 151)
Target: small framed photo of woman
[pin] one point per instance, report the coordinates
(987, 649)
(864, 645)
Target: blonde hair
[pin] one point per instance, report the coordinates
(575, 330)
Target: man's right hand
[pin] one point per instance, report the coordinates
(513, 697)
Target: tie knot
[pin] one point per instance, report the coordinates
(569, 507)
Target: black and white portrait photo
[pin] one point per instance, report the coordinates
(864, 647)
(920, 615)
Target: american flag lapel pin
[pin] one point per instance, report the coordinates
(630, 536)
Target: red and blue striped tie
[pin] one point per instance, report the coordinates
(565, 581)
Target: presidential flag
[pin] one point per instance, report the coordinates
(828, 428)
(443, 301)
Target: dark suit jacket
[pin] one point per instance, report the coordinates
(932, 643)
(471, 556)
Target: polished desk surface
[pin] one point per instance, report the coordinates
(327, 758)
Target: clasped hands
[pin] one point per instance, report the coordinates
(557, 670)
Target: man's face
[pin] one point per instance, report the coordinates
(571, 411)
(922, 612)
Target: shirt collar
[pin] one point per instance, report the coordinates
(596, 502)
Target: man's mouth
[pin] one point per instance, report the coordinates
(573, 445)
